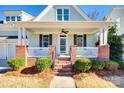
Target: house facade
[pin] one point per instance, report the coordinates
(59, 31)
(117, 15)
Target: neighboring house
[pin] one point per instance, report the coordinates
(8, 35)
(59, 31)
(117, 15)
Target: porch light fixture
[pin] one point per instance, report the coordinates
(63, 31)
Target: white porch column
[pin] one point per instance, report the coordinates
(105, 36)
(24, 35)
(19, 36)
(101, 36)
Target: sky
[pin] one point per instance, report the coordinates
(36, 9)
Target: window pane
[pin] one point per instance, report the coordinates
(66, 17)
(79, 41)
(59, 17)
(66, 11)
(18, 18)
(59, 11)
(7, 18)
(45, 41)
(13, 18)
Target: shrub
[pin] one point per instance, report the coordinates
(16, 63)
(98, 65)
(43, 64)
(112, 65)
(83, 64)
(121, 65)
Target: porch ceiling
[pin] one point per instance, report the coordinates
(58, 31)
(57, 25)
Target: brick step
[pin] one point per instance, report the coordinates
(62, 67)
(62, 70)
(64, 58)
(60, 63)
(65, 61)
(63, 73)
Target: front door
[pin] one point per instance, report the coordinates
(63, 44)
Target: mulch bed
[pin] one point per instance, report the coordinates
(101, 73)
(31, 72)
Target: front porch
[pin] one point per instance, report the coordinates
(68, 39)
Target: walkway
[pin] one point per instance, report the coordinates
(62, 82)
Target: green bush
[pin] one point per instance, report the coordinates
(43, 64)
(98, 65)
(121, 65)
(16, 63)
(83, 64)
(112, 65)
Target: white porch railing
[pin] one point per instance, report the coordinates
(38, 52)
(90, 52)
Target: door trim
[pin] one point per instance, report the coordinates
(66, 44)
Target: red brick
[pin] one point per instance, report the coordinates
(104, 52)
(31, 61)
(73, 53)
(52, 52)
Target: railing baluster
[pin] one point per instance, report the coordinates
(38, 51)
(91, 52)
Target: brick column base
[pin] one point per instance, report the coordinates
(104, 53)
(21, 52)
(73, 54)
(31, 61)
(52, 52)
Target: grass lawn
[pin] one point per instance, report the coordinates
(87, 80)
(23, 82)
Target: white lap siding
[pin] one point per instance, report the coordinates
(33, 40)
(91, 40)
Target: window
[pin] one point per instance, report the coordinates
(79, 40)
(66, 14)
(12, 18)
(7, 18)
(45, 40)
(62, 14)
(59, 14)
(18, 18)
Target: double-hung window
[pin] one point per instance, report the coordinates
(12, 18)
(7, 18)
(18, 18)
(79, 40)
(62, 14)
(45, 40)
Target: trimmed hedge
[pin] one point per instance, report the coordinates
(16, 63)
(43, 64)
(112, 65)
(83, 64)
(98, 65)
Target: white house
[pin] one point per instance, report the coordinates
(58, 31)
(117, 15)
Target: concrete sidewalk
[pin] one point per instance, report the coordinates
(62, 82)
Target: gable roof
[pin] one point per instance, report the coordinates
(50, 6)
(112, 9)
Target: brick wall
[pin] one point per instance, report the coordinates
(20, 51)
(52, 52)
(104, 52)
(31, 61)
(73, 54)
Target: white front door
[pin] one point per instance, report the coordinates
(63, 44)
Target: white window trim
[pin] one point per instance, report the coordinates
(15, 18)
(63, 14)
(67, 48)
